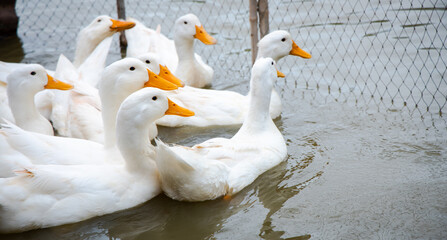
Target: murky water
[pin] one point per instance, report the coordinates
(357, 168)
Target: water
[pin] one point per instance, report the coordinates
(357, 168)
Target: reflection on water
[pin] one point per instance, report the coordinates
(188, 136)
(160, 218)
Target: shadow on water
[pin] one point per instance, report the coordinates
(188, 136)
(160, 218)
(274, 190)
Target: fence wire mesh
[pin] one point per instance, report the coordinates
(390, 54)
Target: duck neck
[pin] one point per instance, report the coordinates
(23, 107)
(184, 48)
(258, 111)
(110, 106)
(134, 144)
(85, 45)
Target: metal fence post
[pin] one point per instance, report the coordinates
(122, 15)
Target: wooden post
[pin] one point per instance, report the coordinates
(122, 15)
(254, 29)
(8, 18)
(263, 8)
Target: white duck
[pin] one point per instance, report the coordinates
(89, 38)
(216, 107)
(51, 195)
(221, 166)
(120, 79)
(187, 65)
(23, 84)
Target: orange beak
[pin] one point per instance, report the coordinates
(280, 74)
(203, 36)
(118, 25)
(175, 109)
(159, 82)
(56, 84)
(166, 74)
(297, 51)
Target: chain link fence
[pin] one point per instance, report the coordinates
(390, 54)
(49, 28)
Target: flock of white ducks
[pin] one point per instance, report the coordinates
(103, 159)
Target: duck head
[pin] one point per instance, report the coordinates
(149, 104)
(34, 78)
(264, 70)
(104, 26)
(279, 44)
(93, 34)
(189, 27)
(128, 75)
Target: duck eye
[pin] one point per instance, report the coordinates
(131, 68)
(99, 20)
(154, 98)
(272, 63)
(283, 39)
(147, 61)
(185, 22)
(33, 73)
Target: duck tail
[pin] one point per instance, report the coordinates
(168, 159)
